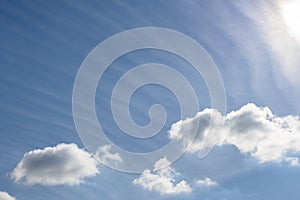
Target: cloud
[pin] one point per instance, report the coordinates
(105, 156)
(6, 196)
(162, 180)
(207, 182)
(62, 164)
(252, 130)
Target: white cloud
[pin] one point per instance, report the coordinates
(6, 196)
(105, 156)
(253, 130)
(62, 164)
(162, 180)
(207, 182)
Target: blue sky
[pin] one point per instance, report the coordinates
(255, 46)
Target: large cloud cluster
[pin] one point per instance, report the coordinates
(251, 129)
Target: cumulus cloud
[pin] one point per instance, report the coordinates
(253, 130)
(162, 180)
(62, 164)
(105, 156)
(6, 196)
(207, 182)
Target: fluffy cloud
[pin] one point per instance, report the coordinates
(6, 196)
(62, 164)
(253, 130)
(162, 180)
(207, 182)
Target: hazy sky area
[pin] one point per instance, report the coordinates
(248, 151)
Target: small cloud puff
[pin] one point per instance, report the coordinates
(105, 156)
(63, 164)
(162, 180)
(293, 161)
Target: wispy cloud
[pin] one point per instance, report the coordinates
(207, 182)
(269, 48)
(105, 156)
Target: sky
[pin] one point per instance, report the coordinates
(250, 150)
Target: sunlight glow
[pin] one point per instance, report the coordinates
(291, 14)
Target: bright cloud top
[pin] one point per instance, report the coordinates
(253, 130)
(6, 196)
(162, 180)
(62, 164)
